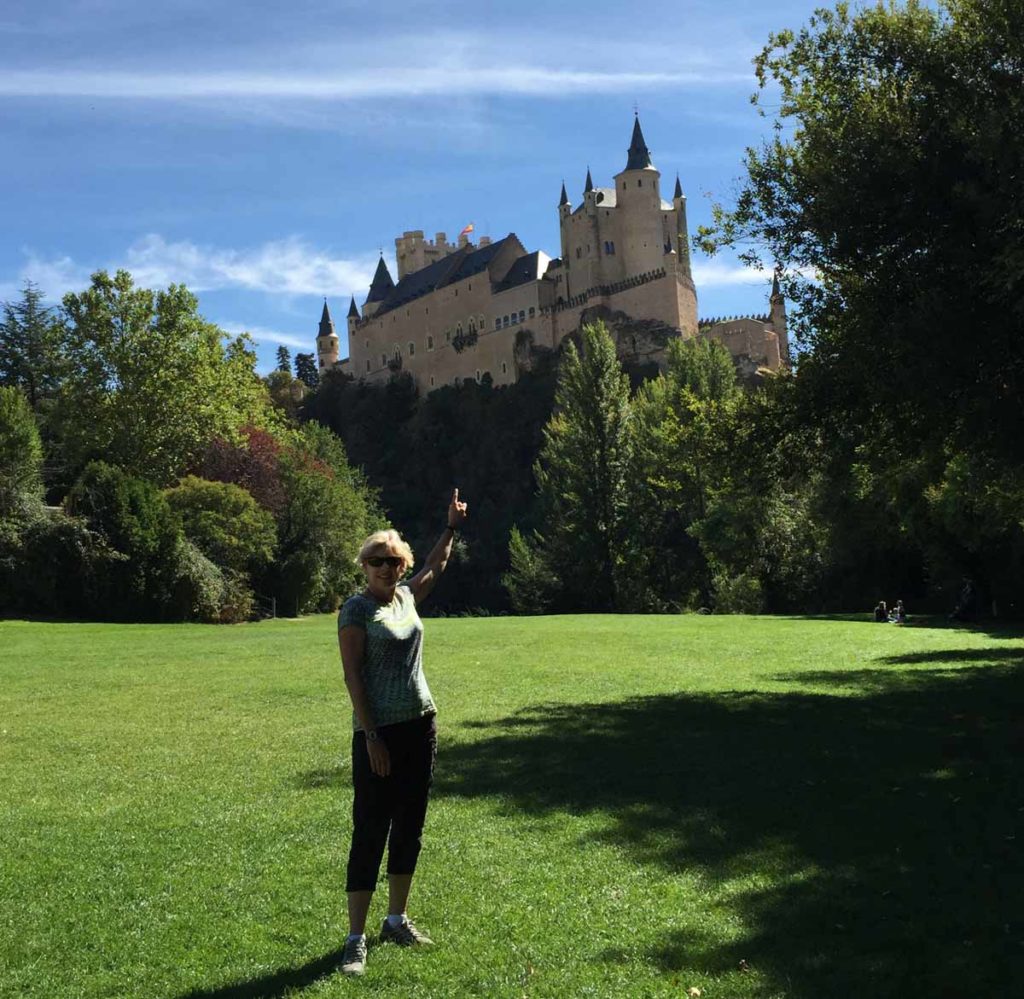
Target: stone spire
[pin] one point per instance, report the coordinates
(776, 292)
(564, 200)
(639, 154)
(326, 323)
(679, 188)
(589, 186)
(381, 284)
(353, 311)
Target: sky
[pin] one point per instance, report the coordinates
(263, 154)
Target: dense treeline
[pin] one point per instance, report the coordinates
(178, 490)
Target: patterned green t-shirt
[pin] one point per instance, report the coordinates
(393, 662)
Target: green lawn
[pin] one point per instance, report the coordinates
(624, 806)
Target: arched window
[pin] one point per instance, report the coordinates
(367, 365)
(412, 349)
(504, 368)
(430, 344)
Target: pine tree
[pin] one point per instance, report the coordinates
(581, 475)
(305, 370)
(284, 359)
(30, 346)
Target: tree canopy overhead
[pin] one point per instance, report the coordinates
(895, 177)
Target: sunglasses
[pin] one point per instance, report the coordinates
(395, 561)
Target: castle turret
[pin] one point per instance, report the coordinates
(380, 288)
(589, 185)
(353, 319)
(777, 313)
(326, 340)
(638, 198)
(564, 214)
(682, 235)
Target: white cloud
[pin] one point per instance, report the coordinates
(263, 335)
(716, 274)
(389, 82)
(288, 266)
(281, 267)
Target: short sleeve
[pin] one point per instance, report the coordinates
(353, 612)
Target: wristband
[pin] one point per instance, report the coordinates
(372, 735)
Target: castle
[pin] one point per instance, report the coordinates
(463, 311)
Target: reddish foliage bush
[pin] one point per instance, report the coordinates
(255, 466)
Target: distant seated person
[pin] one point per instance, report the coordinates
(898, 615)
(881, 612)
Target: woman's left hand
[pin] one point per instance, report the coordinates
(456, 510)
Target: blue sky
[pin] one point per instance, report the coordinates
(262, 153)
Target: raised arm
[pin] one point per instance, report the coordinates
(423, 582)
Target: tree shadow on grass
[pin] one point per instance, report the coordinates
(869, 840)
(278, 983)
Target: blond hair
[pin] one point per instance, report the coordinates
(386, 539)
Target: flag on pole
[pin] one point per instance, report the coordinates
(467, 230)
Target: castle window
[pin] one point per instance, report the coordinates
(469, 287)
(522, 315)
(431, 381)
(383, 360)
(504, 320)
(497, 322)
(478, 374)
(448, 335)
(430, 343)
(412, 348)
(611, 248)
(532, 311)
(579, 252)
(456, 292)
(321, 362)
(472, 325)
(367, 365)
(639, 183)
(366, 344)
(458, 329)
(504, 368)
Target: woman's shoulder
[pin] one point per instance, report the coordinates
(354, 610)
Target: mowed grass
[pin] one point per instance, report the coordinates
(624, 806)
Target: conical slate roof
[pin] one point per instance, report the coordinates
(679, 188)
(776, 292)
(589, 185)
(639, 154)
(326, 323)
(381, 284)
(564, 200)
(353, 311)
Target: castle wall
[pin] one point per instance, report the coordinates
(750, 339)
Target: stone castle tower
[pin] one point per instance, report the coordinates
(463, 311)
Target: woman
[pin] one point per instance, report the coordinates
(395, 740)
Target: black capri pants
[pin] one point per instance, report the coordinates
(396, 804)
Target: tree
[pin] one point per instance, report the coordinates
(684, 423)
(284, 359)
(581, 475)
(136, 521)
(31, 346)
(21, 455)
(225, 523)
(893, 178)
(150, 382)
(305, 370)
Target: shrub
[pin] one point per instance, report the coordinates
(740, 594)
(137, 521)
(225, 523)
